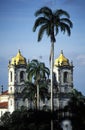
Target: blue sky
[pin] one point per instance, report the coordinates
(16, 23)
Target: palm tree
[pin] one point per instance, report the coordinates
(29, 92)
(77, 109)
(38, 72)
(51, 23)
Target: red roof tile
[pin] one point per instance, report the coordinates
(4, 93)
(3, 104)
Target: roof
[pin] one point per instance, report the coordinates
(18, 59)
(61, 60)
(3, 105)
(4, 93)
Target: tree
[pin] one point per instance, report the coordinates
(38, 73)
(29, 92)
(26, 120)
(77, 108)
(5, 120)
(51, 23)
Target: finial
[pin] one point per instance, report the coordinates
(71, 63)
(1, 88)
(61, 51)
(19, 51)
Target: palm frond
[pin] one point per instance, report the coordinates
(48, 30)
(67, 21)
(50, 22)
(59, 13)
(35, 61)
(45, 11)
(65, 28)
(40, 21)
(42, 29)
(29, 91)
(56, 30)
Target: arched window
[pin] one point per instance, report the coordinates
(65, 77)
(22, 76)
(10, 89)
(10, 76)
(10, 102)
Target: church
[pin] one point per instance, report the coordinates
(63, 74)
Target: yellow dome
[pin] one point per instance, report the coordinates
(61, 60)
(18, 59)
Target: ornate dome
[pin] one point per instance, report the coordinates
(18, 59)
(61, 60)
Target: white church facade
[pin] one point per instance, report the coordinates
(63, 70)
(63, 75)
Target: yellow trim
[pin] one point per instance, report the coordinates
(18, 59)
(61, 60)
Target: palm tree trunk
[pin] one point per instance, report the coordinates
(38, 97)
(51, 71)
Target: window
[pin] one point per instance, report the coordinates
(65, 77)
(10, 102)
(10, 89)
(10, 76)
(21, 76)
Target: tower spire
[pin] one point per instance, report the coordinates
(19, 51)
(61, 51)
(1, 88)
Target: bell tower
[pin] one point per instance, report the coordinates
(63, 71)
(16, 78)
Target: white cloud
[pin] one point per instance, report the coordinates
(81, 59)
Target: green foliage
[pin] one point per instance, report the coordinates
(37, 70)
(5, 119)
(52, 22)
(29, 120)
(77, 108)
(38, 75)
(40, 120)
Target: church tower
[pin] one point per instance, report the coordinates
(63, 71)
(16, 78)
